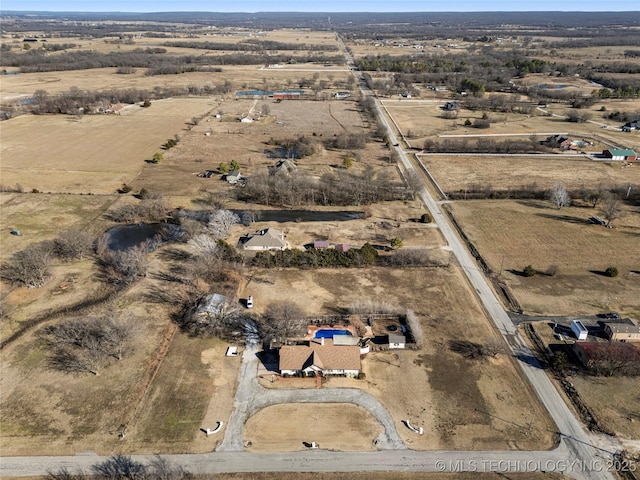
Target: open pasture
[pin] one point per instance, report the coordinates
(512, 234)
(90, 154)
(462, 172)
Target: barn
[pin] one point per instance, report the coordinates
(620, 154)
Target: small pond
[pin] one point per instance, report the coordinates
(124, 237)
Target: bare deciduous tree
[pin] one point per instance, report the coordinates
(492, 347)
(120, 467)
(559, 196)
(414, 183)
(124, 267)
(595, 196)
(221, 221)
(86, 344)
(611, 208)
(73, 245)
(28, 266)
(250, 216)
(283, 320)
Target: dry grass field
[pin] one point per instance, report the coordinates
(492, 407)
(615, 402)
(458, 173)
(171, 385)
(228, 139)
(55, 413)
(278, 428)
(513, 234)
(40, 216)
(91, 154)
(105, 79)
(422, 119)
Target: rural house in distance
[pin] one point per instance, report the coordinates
(267, 239)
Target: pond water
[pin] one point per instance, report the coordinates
(303, 215)
(124, 237)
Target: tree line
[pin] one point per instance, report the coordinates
(484, 145)
(75, 100)
(39, 61)
(251, 45)
(343, 188)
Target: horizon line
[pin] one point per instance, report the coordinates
(3, 11)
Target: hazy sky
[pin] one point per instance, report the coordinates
(306, 6)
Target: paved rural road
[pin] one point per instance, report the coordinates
(576, 455)
(578, 443)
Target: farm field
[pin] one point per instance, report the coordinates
(99, 153)
(512, 234)
(457, 173)
(493, 406)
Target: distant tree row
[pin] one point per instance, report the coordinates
(76, 100)
(251, 45)
(38, 61)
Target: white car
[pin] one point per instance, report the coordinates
(250, 302)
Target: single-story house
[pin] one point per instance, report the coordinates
(233, 177)
(630, 126)
(246, 119)
(622, 332)
(318, 244)
(320, 356)
(620, 154)
(396, 340)
(267, 239)
(343, 247)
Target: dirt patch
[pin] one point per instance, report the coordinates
(286, 427)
